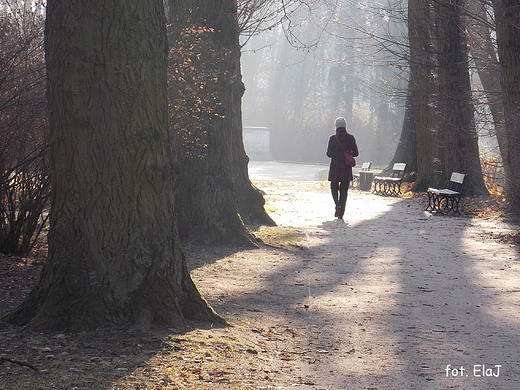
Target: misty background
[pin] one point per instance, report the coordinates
(330, 59)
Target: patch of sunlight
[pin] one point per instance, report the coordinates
(362, 207)
(279, 235)
(369, 292)
(493, 272)
(271, 209)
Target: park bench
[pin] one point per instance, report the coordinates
(390, 185)
(364, 168)
(447, 199)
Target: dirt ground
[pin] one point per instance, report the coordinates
(396, 298)
(392, 298)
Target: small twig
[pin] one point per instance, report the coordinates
(4, 359)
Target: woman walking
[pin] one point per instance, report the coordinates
(340, 174)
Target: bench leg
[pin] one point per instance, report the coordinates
(387, 187)
(444, 204)
(436, 203)
(397, 188)
(431, 202)
(454, 204)
(394, 188)
(377, 186)
(457, 200)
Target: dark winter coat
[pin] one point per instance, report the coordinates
(339, 170)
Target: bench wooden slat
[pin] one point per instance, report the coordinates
(457, 177)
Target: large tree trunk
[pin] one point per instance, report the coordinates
(458, 135)
(418, 145)
(407, 148)
(483, 53)
(250, 200)
(114, 252)
(507, 20)
(214, 194)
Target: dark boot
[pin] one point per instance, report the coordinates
(343, 203)
(334, 189)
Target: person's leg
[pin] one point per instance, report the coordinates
(343, 193)
(335, 190)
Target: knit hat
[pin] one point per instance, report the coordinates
(341, 122)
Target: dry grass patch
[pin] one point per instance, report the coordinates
(280, 235)
(237, 357)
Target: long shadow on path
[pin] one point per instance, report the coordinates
(398, 300)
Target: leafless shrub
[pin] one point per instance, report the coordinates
(24, 176)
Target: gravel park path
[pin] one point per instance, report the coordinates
(392, 298)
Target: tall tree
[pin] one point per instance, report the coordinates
(114, 252)
(439, 122)
(214, 194)
(483, 53)
(418, 145)
(457, 133)
(507, 20)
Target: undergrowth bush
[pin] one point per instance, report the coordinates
(24, 173)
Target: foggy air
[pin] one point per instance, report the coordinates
(319, 64)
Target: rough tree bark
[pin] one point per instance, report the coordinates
(214, 194)
(483, 53)
(439, 110)
(507, 20)
(407, 147)
(114, 252)
(458, 135)
(418, 145)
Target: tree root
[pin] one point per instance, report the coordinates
(4, 359)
